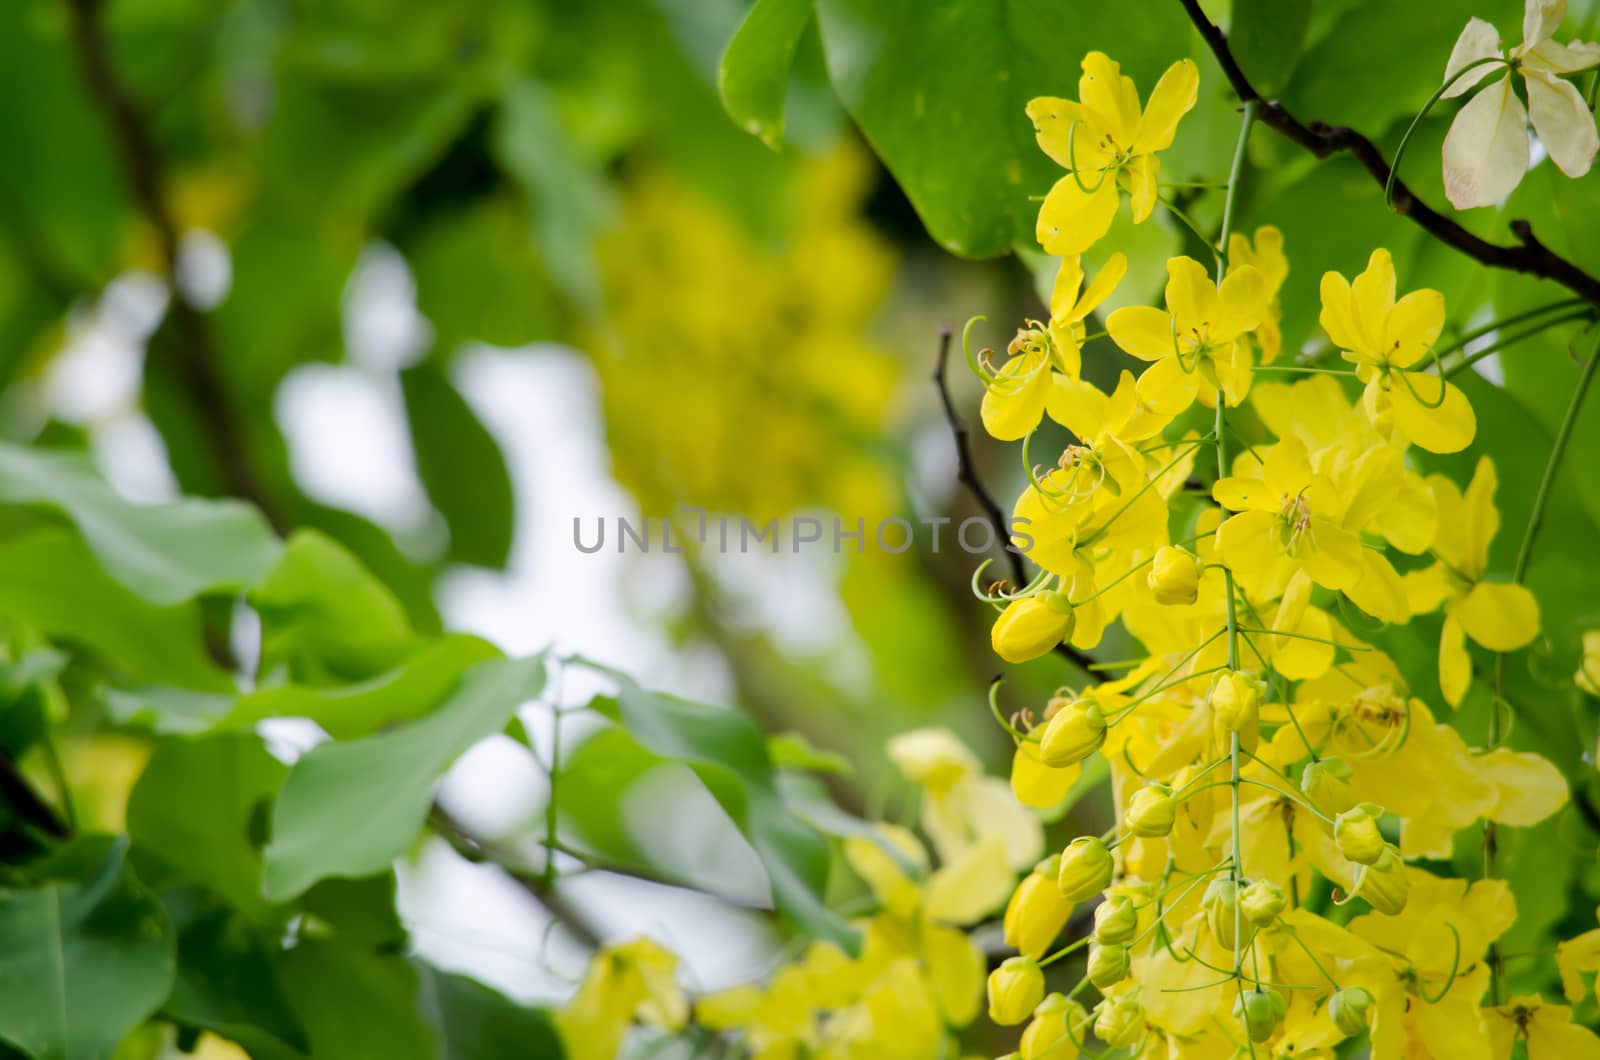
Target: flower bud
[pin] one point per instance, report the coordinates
(1260, 1011)
(1384, 883)
(1588, 675)
(1116, 921)
(1108, 965)
(1235, 701)
(1031, 626)
(1075, 733)
(1014, 989)
(1261, 902)
(1086, 867)
(1350, 1008)
(1356, 832)
(1037, 911)
(1174, 576)
(1326, 782)
(1119, 1022)
(1150, 812)
(1220, 904)
(1055, 1019)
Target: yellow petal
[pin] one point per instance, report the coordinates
(1338, 313)
(1476, 520)
(1036, 784)
(1014, 406)
(1552, 1037)
(1529, 786)
(1172, 98)
(1166, 388)
(1498, 615)
(1064, 292)
(1142, 331)
(1072, 220)
(1486, 150)
(1426, 589)
(955, 972)
(1053, 120)
(1191, 296)
(1242, 302)
(972, 886)
(1105, 281)
(1372, 295)
(1379, 591)
(1110, 96)
(1455, 665)
(1449, 428)
(1139, 176)
(1412, 325)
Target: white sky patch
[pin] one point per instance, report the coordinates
(205, 269)
(382, 327)
(133, 457)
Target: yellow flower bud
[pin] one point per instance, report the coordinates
(1356, 831)
(1054, 1020)
(1014, 989)
(1261, 902)
(1235, 701)
(1108, 965)
(1073, 734)
(1037, 911)
(1116, 920)
(1350, 1008)
(1032, 626)
(1326, 783)
(1174, 576)
(1588, 675)
(1260, 1011)
(1119, 1022)
(1220, 904)
(1086, 867)
(1150, 812)
(1384, 883)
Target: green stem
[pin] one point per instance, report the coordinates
(1514, 338)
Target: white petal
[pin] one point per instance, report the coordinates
(1562, 58)
(1563, 122)
(1486, 150)
(1478, 40)
(1540, 19)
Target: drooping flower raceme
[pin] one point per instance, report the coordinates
(1486, 150)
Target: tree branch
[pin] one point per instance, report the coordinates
(967, 475)
(1528, 255)
(197, 358)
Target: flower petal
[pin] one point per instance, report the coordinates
(1455, 665)
(1053, 119)
(1540, 20)
(1242, 302)
(1143, 331)
(1449, 428)
(1372, 296)
(1011, 410)
(1486, 150)
(1166, 388)
(1563, 122)
(1064, 293)
(1099, 289)
(1498, 615)
(1475, 520)
(1072, 220)
(1529, 786)
(1338, 313)
(1172, 98)
(1479, 40)
(1191, 296)
(1412, 325)
(1139, 177)
(1566, 58)
(1111, 96)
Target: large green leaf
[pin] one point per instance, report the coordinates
(355, 1002)
(462, 467)
(85, 956)
(728, 753)
(50, 581)
(165, 553)
(201, 807)
(939, 87)
(227, 983)
(754, 75)
(475, 1022)
(350, 809)
(1267, 36)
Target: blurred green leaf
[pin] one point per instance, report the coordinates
(85, 956)
(462, 467)
(201, 807)
(227, 983)
(49, 580)
(753, 77)
(165, 553)
(1267, 36)
(356, 1002)
(358, 912)
(349, 809)
(27, 684)
(791, 750)
(939, 88)
(729, 755)
(476, 1022)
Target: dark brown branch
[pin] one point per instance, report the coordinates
(967, 475)
(1527, 255)
(142, 168)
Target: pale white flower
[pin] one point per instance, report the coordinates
(1486, 151)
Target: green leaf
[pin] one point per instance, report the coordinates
(164, 553)
(360, 912)
(355, 1002)
(84, 958)
(462, 467)
(1267, 36)
(201, 805)
(939, 88)
(791, 750)
(753, 78)
(227, 983)
(728, 753)
(350, 809)
(50, 581)
(322, 613)
(476, 1022)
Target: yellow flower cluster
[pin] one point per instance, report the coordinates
(1260, 744)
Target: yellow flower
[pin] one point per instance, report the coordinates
(1174, 576)
(1486, 150)
(1105, 142)
(1383, 338)
(1085, 869)
(1037, 912)
(1055, 1031)
(1547, 1029)
(1194, 343)
(1588, 675)
(1498, 615)
(1075, 732)
(1267, 258)
(1015, 397)
(1014, 989)
(1577, 955)
(1032, 626)
(624, 982)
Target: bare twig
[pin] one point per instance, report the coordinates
(197, 359)
(1528, 255)
(967, 475)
